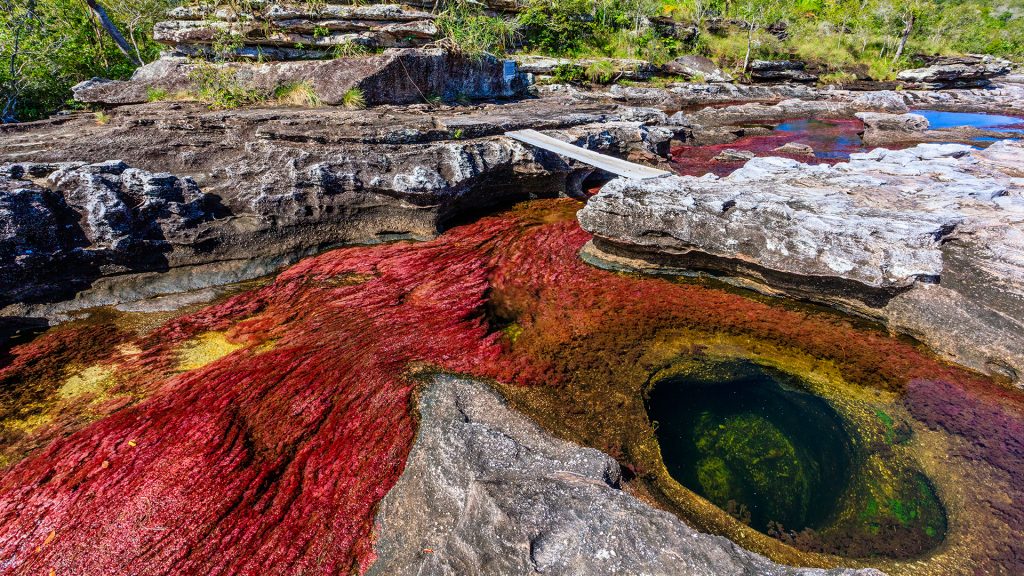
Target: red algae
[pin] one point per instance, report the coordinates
(271, 455)
(832, 140)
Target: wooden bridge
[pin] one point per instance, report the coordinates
(607, 163)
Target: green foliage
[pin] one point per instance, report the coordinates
(601, 72)
(156, 94)
(219, 87)
(297, 94)
(569, 74)
(353, 98)
(466, 29)
(47, 46)
(350, 48)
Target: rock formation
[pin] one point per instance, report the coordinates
(958, 71)
(398, 76)
(926, 239)
(258, 188)
(692, 67)
(780, 71)
(271, 31)
(487, 491)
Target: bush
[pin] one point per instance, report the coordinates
(218, 86)
(601, 72)
(353, 98)
(466, 29)
(297, 94)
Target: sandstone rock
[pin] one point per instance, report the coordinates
(958, 71)
(694, 66)
(795, 148)
(858, 235)
(487, 491)
(399, 76)
(780, 71)
(290, 182)
(90, 219)
(547, 66)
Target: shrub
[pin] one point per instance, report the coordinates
(353, 98)
(156, 94)
(350, 48)
(601, 71)
(297, 94)
(218, 86)
(467, 30)
(568, 74)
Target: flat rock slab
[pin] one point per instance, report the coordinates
(943, 218)
(487, 491)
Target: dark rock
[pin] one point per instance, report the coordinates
(487, 491)
(780, 71)
(693, 66)
(271, 185)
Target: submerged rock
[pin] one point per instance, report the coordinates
(898, 235)
(487, 491)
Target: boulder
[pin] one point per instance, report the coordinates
(398, 76)
(731, 155)
(487, 491)
(624, 67)
(780, 71)
(795, 149)
(958, 71)
(692, 66)
(889, 234)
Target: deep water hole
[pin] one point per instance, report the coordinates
(756, 442)
(749, 440)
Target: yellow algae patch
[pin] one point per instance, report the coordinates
(204, 349)
(93, 379)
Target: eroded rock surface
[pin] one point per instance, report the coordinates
(487, 491)
(250, 190)
(397, 76)
(903, 236)
(958, 71)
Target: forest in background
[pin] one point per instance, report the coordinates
(46, 46)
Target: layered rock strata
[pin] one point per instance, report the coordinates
(958, 71)
(927, 239)
(254, 189)
(487, 491)
(272, 31)
(399, 76)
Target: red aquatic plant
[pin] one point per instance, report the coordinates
(272, 459)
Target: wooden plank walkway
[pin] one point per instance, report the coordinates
(606, 163)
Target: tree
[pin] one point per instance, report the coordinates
(756, 14)
(101, 15)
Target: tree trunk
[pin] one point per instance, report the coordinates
(906, 34)
(750, 41)
(112, 30)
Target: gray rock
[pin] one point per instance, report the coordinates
(275, 184)
(624, 68)
(398, 76)
(795, 148)
(958, 71)
(487, 491)
(780, 71)
(731, 155)
(860, 235)
(693, 66)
